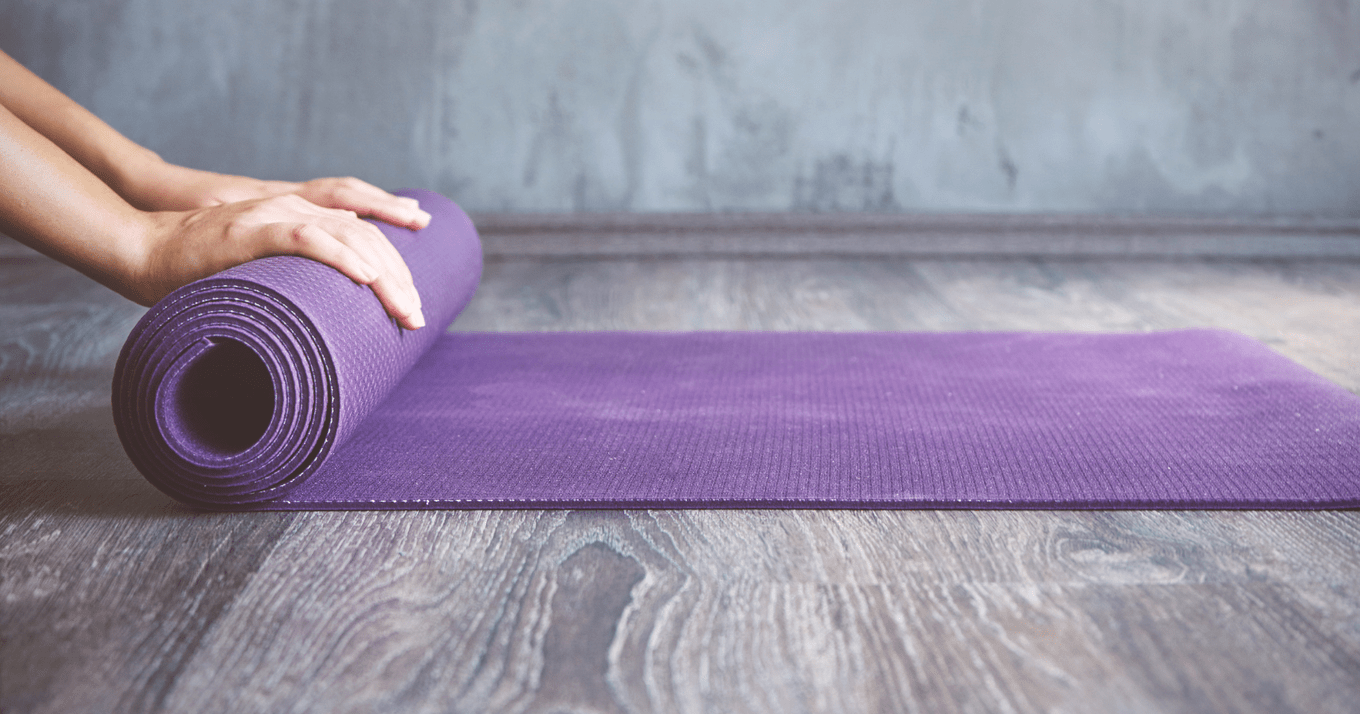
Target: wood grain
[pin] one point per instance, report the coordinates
(113, 598)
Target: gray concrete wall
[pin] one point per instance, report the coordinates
(1202, 106)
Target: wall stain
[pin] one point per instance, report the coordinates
(966, 120)
(1008, 168)
(839, 183)
(696, 163)
(756, 147)
(630, 126)
(552, 132)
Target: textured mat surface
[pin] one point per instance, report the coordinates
(281, 385)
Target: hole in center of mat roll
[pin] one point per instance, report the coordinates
(224, 399)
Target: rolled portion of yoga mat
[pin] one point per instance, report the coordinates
(234, 389)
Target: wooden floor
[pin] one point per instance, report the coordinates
(115, 599)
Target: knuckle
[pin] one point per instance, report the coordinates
(301, 234)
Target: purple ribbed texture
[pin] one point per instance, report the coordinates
(324, 355)
(353, 416)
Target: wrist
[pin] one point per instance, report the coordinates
(135, 242)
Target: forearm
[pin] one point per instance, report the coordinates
(55, 205)
(74, 188)
(116, 160)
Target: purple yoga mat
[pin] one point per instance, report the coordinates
(282, 385)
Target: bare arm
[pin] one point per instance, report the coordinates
(53, 204)
(94, 144)
(74, 188)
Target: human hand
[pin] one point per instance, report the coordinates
(183, 246)
(154, 185)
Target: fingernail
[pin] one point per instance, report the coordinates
(368, 273)
(418, 319)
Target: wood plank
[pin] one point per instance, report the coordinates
(941, 611)
(109, 590)
(761, 611)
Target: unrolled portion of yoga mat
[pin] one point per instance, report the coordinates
(1184, 419)
(280, 385)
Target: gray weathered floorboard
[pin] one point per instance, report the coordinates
(113, 598)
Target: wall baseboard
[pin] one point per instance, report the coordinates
(508, 235)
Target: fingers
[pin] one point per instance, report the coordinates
(366, 200)
(394, 283)
(397, 302)
(354, 247)
(309, 241)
